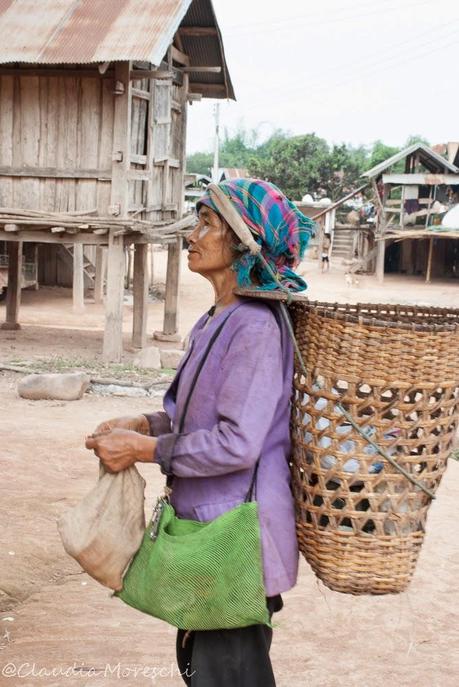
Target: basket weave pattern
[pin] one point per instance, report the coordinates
(361, 523)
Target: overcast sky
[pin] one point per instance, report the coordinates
(349, 70)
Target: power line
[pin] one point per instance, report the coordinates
(294, 18)
(274, 26)
(401, 50)
(397, 63)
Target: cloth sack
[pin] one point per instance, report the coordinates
(105, 529)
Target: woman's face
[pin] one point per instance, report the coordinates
(209, 249)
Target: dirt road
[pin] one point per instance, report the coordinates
(56, 618)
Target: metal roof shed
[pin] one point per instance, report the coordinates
(409, 202)
(416, 153)
(93, 101)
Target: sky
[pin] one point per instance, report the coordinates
(351, 71)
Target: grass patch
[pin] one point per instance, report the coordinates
(126, 371)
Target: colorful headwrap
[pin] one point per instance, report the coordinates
(277, 225)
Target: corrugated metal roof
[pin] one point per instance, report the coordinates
(88, 31)
(429, 158)
(205, 50)
(233, 173)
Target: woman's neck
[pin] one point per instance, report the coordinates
(224, 284)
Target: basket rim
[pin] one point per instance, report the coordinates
(337, 311)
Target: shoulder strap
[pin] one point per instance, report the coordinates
(198, 372)
(193, 384)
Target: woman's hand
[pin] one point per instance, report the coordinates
(136, 423)
(120, 448)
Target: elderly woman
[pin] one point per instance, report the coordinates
(238, 413)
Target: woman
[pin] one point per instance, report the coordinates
(239, 411)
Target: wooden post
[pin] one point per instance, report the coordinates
(140, 293)
(78, 278)
(35, 259)
(163, 140)
(152, 264)
(321, 241)
(170, 326)
(113, 333)
(381, 230)
(128, 266)
(429, 261)
(174, 252)
(119, 200)
(13, 297)
(101, 264)
(380, 257)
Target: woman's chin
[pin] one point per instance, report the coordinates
(192, 266)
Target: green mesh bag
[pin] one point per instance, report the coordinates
(200, 575)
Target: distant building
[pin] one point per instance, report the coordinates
(413, 190)
(227, 173)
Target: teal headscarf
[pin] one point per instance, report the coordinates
(276, 224)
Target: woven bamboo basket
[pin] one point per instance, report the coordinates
(395, 369)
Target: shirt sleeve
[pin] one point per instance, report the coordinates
(159, 422)
(249, 391)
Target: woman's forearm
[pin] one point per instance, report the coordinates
(145, 449)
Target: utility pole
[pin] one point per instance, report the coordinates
(217, 143)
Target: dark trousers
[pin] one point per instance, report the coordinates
(228, 658)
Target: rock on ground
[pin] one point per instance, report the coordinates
(53, 386)
(148, 358)
(171, 357)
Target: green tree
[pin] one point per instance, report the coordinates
(306, 164)
(381, 152)
(199, 163)
(236, 149)
(297, 164)
(346, 164)
(416, 138)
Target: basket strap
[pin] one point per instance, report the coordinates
(347, 415)
(214, 337)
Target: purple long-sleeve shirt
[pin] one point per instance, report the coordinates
(239, 411)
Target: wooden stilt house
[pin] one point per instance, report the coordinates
(412, 191)
(93, 102)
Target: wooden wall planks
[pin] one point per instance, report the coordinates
(6, 136)
(67, 123)
(63, 122)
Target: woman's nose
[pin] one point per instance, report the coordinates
(193, 236)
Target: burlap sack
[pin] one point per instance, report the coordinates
(105, 529)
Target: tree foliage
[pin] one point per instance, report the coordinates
(298, 164)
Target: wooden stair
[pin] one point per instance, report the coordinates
(89, 268)
(342, 243)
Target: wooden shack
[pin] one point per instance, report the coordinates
(412, 191)
(93, 103)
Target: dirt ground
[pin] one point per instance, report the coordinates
(55, 618)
